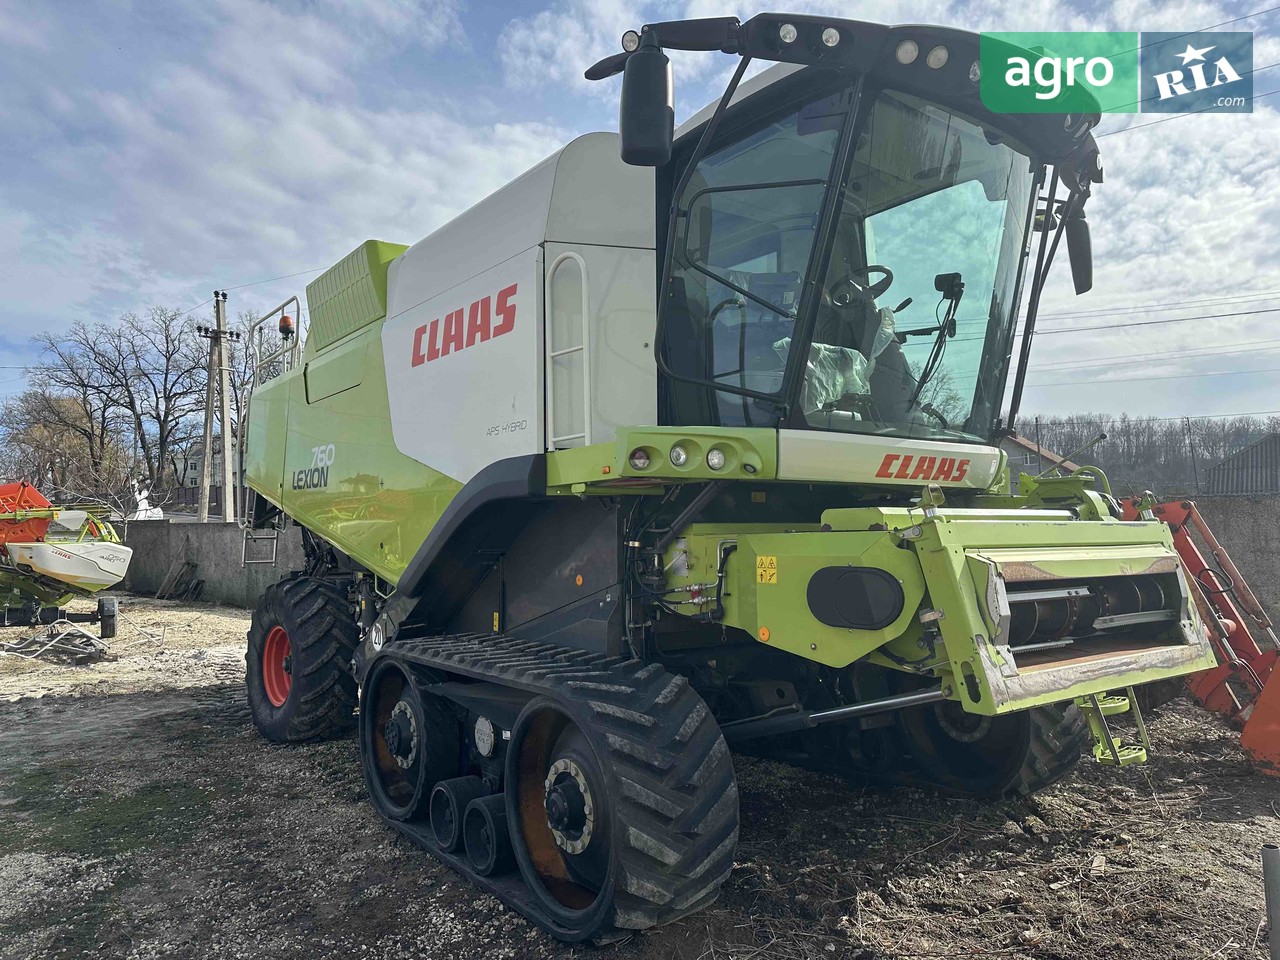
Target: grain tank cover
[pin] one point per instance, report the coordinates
(350, 294)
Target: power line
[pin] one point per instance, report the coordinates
(1247, 73)
(1179, 376)
(1191, 353)
(1179, 36)
(254, 283)
(1111, 311)
(287, 276)
(1247, 16)
(1175, 116)
(1149, 323)
(196, 307)
(1207, 416)
(1132, 323)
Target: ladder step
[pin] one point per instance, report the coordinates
(1108, 748)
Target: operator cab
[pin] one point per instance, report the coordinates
(846, 240)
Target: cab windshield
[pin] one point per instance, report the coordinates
(916, 294)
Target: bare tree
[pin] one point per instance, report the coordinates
(75, 398)
(49, 440)
(1167, 455)
(148, 369)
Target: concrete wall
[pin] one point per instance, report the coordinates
(216, 550)
(1249, 529)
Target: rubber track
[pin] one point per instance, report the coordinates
(672, 779)
(1059, 738)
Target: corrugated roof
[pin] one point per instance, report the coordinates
(1251, 469)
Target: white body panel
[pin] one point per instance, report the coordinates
(464, 409)
(86, 565)
(619, 388)
(463, 376)
(891, 461)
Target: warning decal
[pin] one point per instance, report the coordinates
(766, 569)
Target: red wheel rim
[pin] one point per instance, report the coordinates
(277, 666)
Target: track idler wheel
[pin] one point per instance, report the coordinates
(560, 811)
(488, 842)
(449, 802)
(408, 742)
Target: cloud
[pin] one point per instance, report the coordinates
(210, 143)
(254, 153)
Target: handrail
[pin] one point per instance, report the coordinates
(287, 354)
(264, 366)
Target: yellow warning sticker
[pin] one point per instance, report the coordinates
(766, 569)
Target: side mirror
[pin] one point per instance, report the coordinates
(647, 119)
(1080, 252)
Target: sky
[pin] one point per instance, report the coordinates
(153, 152)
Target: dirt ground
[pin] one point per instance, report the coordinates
(140, 816)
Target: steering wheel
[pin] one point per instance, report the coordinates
(848, 291)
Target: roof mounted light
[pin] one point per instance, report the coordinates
(787, 33)
(907, 52)
(937, 58)
(975, 72)
(631, 41)
(831, 36)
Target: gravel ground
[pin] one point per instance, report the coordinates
(140, 816)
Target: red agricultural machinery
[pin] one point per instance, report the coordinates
(1239, 628)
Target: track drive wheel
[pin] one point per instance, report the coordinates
(408, 742)
(298, 661)
(988, 757)
(621, 816)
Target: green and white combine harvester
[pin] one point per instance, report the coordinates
(648, 455)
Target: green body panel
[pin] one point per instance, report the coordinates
(331, 462)
(768, 575)
(349, 295)
(751, 453)
(953, 567)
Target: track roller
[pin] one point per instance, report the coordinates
(449, 802)
(488, 843)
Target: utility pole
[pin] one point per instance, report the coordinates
(206, 444)
(1039, 447)
(1191, 443)
(219, 374)
(224, 390)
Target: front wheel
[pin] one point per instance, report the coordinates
(298, 669)
(1016, 754)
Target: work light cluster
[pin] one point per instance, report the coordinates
(679, 456)
(908, 51)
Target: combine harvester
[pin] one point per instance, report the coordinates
(642, 457)
(50, 554)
